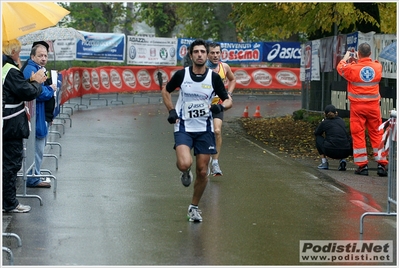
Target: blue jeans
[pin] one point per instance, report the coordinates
(40, 144)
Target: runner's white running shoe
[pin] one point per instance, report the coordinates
(194, 215)
(216, 170)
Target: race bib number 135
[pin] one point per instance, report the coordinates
(195, 109)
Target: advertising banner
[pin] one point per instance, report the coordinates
(282, 52)
(101, 47)
(78, 81)
(366, 38)
(353, 40)
(315, 60)
(302, 65)
(64, 50)
(308, 61)
(182, 47)
(232, 52)
(339, 49)
(267, 78)
(235, 52)
(151, 51)
(326, 54)
(380, 42)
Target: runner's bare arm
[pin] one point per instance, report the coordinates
(232, 79)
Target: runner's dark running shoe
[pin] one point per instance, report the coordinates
(186, 177)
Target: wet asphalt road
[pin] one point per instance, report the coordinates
(119, 199)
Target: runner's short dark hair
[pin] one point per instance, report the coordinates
(199, 42)
(214, 44)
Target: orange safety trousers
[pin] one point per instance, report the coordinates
(366, 115)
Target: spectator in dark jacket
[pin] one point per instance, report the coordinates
(332, 139)
(15, 122)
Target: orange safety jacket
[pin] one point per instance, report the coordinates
(363, 79)
(363, 93)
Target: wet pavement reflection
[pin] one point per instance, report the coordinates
(119, 199)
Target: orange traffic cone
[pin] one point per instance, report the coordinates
(245, 114)
(257, 112)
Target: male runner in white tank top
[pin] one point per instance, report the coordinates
(192, 119)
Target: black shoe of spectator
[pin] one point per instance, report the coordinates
(382, 171)
(364, 170)
(342, 165)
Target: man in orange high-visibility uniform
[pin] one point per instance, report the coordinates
(363, 78)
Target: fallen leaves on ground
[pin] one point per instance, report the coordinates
(294, 137)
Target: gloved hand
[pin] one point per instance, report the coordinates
(216, 108)
(172, 116)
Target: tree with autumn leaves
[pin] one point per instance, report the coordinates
(257, 21)
(276, 21)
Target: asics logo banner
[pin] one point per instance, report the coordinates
(280, 51)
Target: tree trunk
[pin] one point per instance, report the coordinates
(227, 30)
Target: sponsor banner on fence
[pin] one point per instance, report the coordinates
(353, 40)
(315, 76)
(339, 49)
(183, 45)
(308, 61)
(78, 81)
(151, 51)
(267, 78)
(380, 42)
(302, 64)
(101, 47)
(232, 52)
(282, 52)
(62, 50)
(235, 52)
(65, 50)
(325, 54)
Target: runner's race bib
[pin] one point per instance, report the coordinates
(195, 109)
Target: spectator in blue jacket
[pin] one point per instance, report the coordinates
(38, 60)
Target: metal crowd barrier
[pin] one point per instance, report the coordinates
(28, 161)
(10, 255)
(392, 172)
(8, 250)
